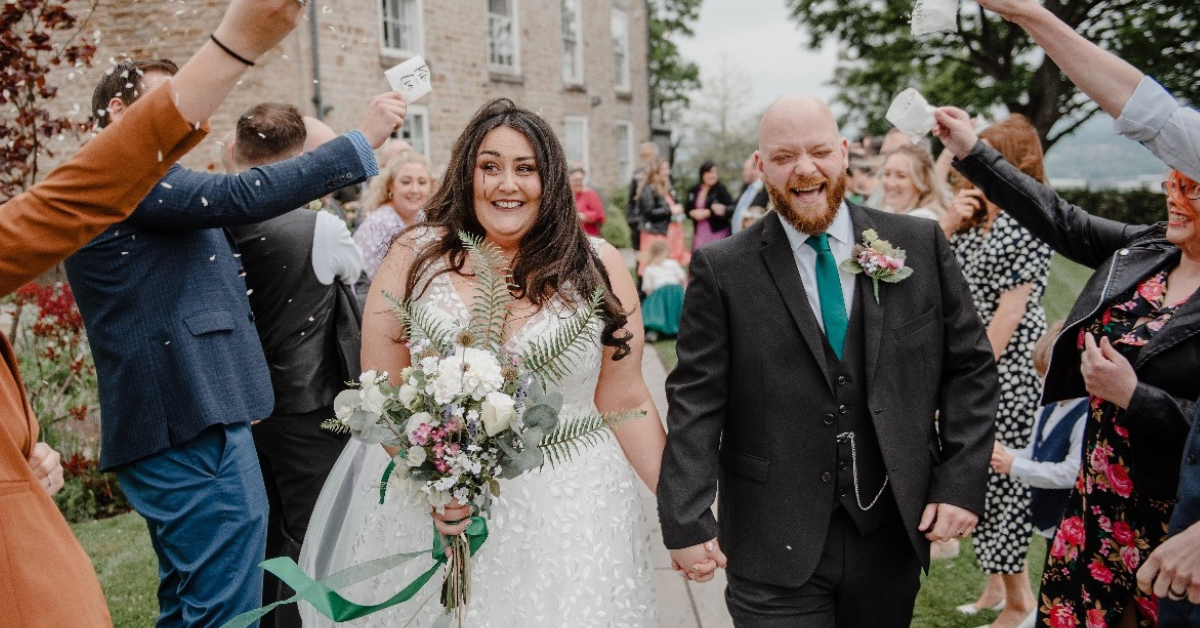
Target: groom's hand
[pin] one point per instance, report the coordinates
(698, 562)
(942, 522)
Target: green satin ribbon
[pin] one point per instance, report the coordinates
(387, 475)
(327, 601)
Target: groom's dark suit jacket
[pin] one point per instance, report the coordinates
(754, 383)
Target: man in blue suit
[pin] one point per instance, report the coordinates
(179, 363)
(1172, 573)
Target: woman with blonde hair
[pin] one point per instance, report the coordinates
(656, 207)
(909, 184)
(394, 202)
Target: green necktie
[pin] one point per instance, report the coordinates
(829, 289)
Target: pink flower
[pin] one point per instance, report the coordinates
(1062, 615)
(1149, 606)
(1095, 618)
(1151, 289)
(1099, 459)
(1118, 477)
(1124, 534)
(1122, 432)
(1131, 558)
(1101, 573)
(1072, 532)
(1059, 548)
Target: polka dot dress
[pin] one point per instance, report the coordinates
(994, 262)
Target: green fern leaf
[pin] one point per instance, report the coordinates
(421, 322)
(492, 292)
(572, 438)
(549, 359)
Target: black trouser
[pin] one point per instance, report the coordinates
(635, 237)
(296, 456)
(862, 581)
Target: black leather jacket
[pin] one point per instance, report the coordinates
(1168, 367)
(654, 211)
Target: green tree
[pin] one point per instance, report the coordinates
(672, 77)
(990, 62)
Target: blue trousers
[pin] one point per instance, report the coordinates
(206, 509)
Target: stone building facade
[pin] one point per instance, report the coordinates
(582, 64)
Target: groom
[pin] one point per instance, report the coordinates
(810, 399)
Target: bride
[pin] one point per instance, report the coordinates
(568, 544)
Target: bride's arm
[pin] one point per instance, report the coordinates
(383, 348)
(621, 386)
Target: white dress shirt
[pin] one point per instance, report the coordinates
(334, 253)
(841, 240)
(1172, 132)
(1053, 475)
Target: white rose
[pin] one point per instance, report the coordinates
(498, 411)
(415, 456)
(408, 395)
(372, 400)
(415, 421)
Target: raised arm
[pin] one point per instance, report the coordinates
(1069, 230)
(195, 200)
(1143, 110)
(104, 181)
(1102, 75)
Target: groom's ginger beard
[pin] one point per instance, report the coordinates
(814, 218)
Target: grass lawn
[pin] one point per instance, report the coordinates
(120, 550)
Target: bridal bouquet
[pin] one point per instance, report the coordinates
(468, 411)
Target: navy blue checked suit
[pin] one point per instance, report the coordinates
(182, 373)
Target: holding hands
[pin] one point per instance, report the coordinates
(1106, 373)
(698, 562)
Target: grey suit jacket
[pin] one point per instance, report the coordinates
(752, 386)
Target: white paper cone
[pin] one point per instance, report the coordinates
(934, 16)
(911, 113)
(411, 78)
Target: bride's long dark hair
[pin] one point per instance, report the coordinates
(555, 257)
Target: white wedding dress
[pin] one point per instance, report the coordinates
(568, 545)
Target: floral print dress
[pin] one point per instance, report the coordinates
(1109, 528)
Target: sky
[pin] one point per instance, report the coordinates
(758, 37)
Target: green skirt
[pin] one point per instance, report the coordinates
(662, 308)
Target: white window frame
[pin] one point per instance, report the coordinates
(514, 36)
(582, 121)
(620, 19)
(624, 157)
(418, 117)
(418, 30)
(576, 75)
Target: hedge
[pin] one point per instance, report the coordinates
(1137, 207)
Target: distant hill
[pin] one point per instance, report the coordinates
(1101, 157)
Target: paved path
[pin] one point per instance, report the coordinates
(681, 604)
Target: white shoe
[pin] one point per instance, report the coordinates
(1029, 620)
(971, 609)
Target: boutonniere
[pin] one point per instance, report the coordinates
(878, 259)
(316, 205)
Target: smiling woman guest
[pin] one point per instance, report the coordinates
(393, 203)
(709, 205)
(1128, 345)
(507, 183)
(909, 184)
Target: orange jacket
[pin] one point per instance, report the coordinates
(45, 577)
